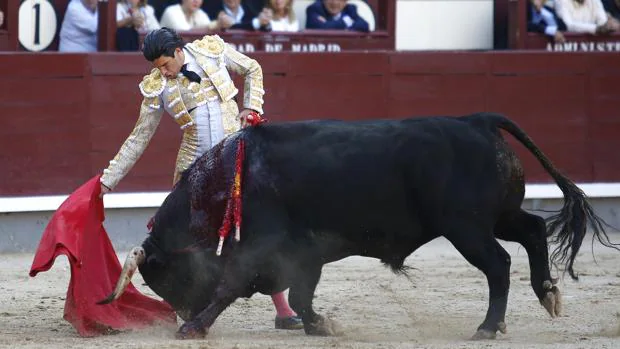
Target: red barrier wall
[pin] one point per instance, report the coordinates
(65, 116)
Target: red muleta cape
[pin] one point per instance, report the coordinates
(76, 230)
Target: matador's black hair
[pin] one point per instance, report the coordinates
(161, 42)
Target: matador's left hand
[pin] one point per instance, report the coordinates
(243, 116)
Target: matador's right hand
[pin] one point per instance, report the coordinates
(104, 190)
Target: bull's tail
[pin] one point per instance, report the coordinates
(568, 227)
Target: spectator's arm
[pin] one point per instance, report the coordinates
(550, 25)
(168, 19)
(151, 20)
(204, 22)
(82, 23)
(257, 26)
(123, 19)
(571, 24)
(551, 30)
(313, 21)
(599, 10)
(125, 22)
(359, 24)
(535, 27)
(295, 26)
(245, 25)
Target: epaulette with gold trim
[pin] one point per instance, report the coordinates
(153, 85)
(210, 46)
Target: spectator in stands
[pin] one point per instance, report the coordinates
(283, 17)
(213, 7)
(585, 16)
(136, 14)
(133, 16)
(613, 8)
(78, 32)
(1, 18)
(334, 14)
(160, 5)
(236, 14)
(543, 19)
(187, 16)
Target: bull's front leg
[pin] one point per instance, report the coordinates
(233, 283)
(300, 298)
(199, 326)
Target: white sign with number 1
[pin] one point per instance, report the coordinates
(37, 24)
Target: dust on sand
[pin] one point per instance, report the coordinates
(440, 306)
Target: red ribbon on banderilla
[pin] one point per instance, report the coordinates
(233, 206)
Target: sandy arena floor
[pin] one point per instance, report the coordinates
(440, 307)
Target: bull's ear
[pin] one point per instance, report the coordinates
(154, 260)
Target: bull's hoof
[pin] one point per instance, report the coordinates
(552, 301)
(323, 326)
(191, 331)
(501, 326)
(483, 334)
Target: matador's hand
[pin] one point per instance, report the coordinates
(104, 190)
(243, 116)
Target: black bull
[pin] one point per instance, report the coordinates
(318, 191)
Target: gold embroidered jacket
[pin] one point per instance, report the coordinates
(179, 95)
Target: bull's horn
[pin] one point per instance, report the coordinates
(134, 259)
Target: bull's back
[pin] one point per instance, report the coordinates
(365, 175)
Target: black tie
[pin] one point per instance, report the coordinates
(190, 74)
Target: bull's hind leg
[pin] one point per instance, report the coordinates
(300, 298)
(530, 231)
(484, 252)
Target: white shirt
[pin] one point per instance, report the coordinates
(207, 117)
(284, 25)
(79, 29)
(239, 16)
(174, 18)
(581, 18)
(150, 21)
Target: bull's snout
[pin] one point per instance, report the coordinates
(134, 259)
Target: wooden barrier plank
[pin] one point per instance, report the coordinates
(605, 87)
(432, 63)
(44, 162)
(605, 160)
(530, 89)
(114, 63)
(43, 92)
(372, 63)
(42, 119)
(42, 65)
(272, 63)
(276, 94)
(337, 96)
(599, 64)
(444, 88)
(411, 95)
(540, 63)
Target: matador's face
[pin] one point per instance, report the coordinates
(170, 66)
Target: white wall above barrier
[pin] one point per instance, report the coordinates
(444, 24)
(155, 199)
